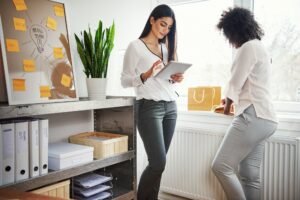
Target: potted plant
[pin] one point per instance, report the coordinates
(94, 54)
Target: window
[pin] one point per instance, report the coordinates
(200, 43)
(282, 38)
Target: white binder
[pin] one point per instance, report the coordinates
(44, 135)
(7, 155)
(34, 148)
(22, 150)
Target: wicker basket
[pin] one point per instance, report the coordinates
(59, 190)
(105, 144)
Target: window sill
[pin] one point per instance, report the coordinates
(289, 123)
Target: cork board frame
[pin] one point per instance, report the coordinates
(36, 52)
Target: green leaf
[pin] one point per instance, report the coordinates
(95, 52)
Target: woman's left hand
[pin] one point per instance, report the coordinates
(177, 77)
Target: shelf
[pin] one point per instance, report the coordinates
(61, 107)
(123, 194)
(56, 176)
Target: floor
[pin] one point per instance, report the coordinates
(166, 196)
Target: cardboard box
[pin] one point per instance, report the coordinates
(64, 155)
(59, 190)
(105, 144)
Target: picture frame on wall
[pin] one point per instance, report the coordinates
(36, 53)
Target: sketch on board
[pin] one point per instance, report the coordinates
(36, 54)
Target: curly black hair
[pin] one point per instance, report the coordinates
(239, 26)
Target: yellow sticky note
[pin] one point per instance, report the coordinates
(20, 5)
(28, 65)
(45, 91)
(12, 45)
(19, 85)
(65, 80)
(58, 53)
(20, 24)
(59, 10)
(51, 23)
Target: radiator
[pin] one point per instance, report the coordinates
(188, 172)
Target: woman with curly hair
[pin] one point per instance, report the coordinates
(238, 159)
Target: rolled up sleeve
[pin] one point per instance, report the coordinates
(129, 76)
(241, 68)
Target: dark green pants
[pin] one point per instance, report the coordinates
(156, 122)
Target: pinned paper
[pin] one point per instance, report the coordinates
(20, 24)
(45, 91)
(20, 5)
(58, 53)
(28, 65)
(65, 80)
(19, 85)
(12, 45)
(59, 10)
(51, 23)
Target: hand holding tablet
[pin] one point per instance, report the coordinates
(171, 68)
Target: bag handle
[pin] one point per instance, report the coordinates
(203, 93)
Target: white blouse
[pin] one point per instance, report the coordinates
(138, 59)
(250, 80)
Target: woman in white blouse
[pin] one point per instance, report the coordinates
(238, 160)
(156, 110)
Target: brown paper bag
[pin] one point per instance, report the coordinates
(204, 98)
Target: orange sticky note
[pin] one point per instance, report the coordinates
(12, 45)
(65, 80)
(59, 10)
(20, 5)
(19, 85)
(20, 24)
(45, 91)
(58, 53)
(51, 23)
(28, 65)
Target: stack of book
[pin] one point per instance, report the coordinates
(92, 186)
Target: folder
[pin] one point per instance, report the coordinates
(7, 152)
(34, 148)
(22, 150)
(44, 137)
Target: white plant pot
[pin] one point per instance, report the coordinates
(96, 88)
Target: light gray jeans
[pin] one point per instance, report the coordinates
(239, 158)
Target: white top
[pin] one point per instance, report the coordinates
(138, 59)
(250, 80)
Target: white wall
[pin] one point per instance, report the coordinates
(129, 16)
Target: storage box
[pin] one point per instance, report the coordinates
(64, 155)
(105, 144)
(59, 190)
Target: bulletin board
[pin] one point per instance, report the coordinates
(36, 52)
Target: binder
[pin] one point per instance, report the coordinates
(7, 152)
(22, 150)
(34, 148)
(44, 137)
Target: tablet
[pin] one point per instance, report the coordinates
(173, 67)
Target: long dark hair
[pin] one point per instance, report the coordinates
(159, 12)
(239, 26)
